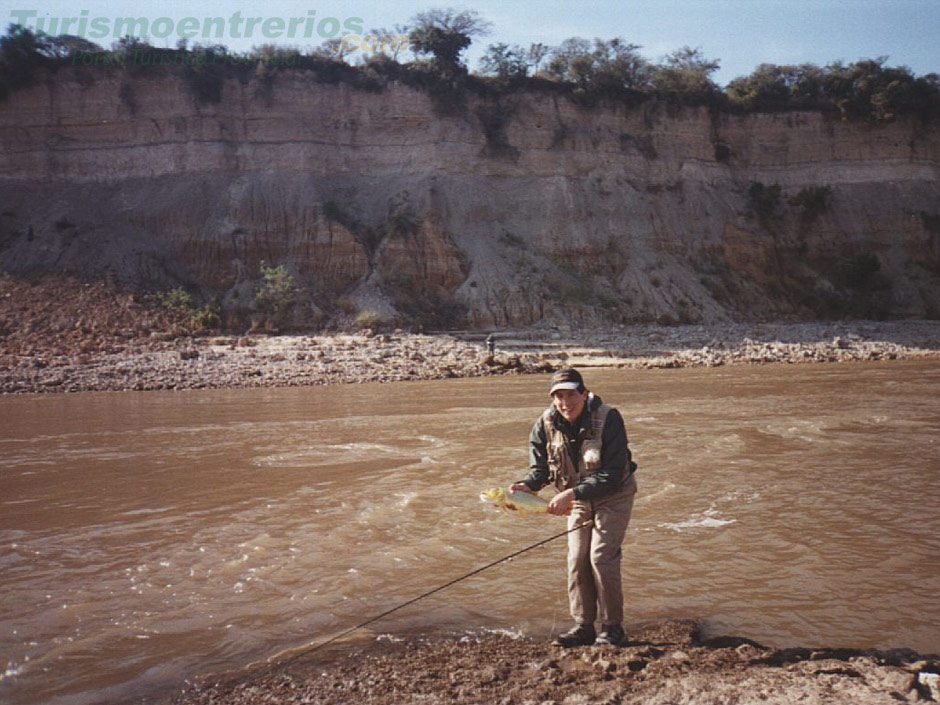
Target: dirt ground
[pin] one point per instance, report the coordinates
(662, 663)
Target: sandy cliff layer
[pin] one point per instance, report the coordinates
(497, 210)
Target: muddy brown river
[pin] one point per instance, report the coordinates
(146, 538)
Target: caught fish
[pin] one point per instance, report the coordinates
(515, 501)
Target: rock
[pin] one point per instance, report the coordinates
(930, 684)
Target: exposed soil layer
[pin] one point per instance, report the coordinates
(64, 335)
(667, 662)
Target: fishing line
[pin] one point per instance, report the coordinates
(376, 618)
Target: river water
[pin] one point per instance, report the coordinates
(146, 538)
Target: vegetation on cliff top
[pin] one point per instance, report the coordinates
(587, 71)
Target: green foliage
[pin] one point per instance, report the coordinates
(687, 72)
(505, 62)
(200, 318)
(444, 34)
(332, 211)
(605, 66)
(764, 202)
(277, 293)
(813, 202)
(773, 87)
(493, 120)
(206, 75)
(866, 89)
(346, 305)
(367, 318)
(21, 53)
(177, 298)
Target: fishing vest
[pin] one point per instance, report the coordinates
(561, 470)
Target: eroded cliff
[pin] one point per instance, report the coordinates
(501, 209)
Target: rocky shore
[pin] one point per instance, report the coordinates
(669, 662)
(84, 337)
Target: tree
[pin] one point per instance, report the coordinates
(870, 89)
(686, 70)
(444, 34)
(619, 64)
(21, 52)
(605, 65)
(505, 61)
(574, 51)
(537, 53)
(277, 294)
(393, 40)
(764, 88)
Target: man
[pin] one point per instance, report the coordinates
(579, 444)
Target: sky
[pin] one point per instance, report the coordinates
(740, 34)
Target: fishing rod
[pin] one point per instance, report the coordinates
(347, 632)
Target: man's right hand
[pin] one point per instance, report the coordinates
(519, 487)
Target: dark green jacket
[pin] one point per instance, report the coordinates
(615, 452)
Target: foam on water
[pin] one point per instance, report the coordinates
(175, 549)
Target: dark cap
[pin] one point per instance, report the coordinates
(566, 379)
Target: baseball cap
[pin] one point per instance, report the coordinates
(566, 379)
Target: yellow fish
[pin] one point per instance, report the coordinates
(516, 501)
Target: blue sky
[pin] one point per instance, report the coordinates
(739, 33)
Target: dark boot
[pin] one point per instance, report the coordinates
(611, 634)
(581, 635)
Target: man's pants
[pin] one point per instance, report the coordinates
(594, 583)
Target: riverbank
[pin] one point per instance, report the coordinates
(670, 662)
(86, 338)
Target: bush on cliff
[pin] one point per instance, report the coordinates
(444, 34)
(276, 296)
(866, 89)
(21, 53)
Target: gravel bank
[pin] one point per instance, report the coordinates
(74, 337)
(214, 362)
(668, 662)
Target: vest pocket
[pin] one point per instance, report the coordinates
(558, 465)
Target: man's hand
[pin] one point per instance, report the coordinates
(560, 504)
(519, 487)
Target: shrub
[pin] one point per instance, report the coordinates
(276, 296)
(205, 317)
(764, 202)
(277, 292)
(813, 200)
(444, 34)
(367, 318)
(861, 272)
(177, 298)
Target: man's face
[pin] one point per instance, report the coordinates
(569, 403)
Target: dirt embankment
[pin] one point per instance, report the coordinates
(662, 663)
(68, 336)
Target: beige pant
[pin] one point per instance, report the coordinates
(594, 582)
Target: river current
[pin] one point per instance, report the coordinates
(147, 538)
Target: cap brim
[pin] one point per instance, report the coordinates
(563, 385)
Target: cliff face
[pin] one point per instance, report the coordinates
(498, 211)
